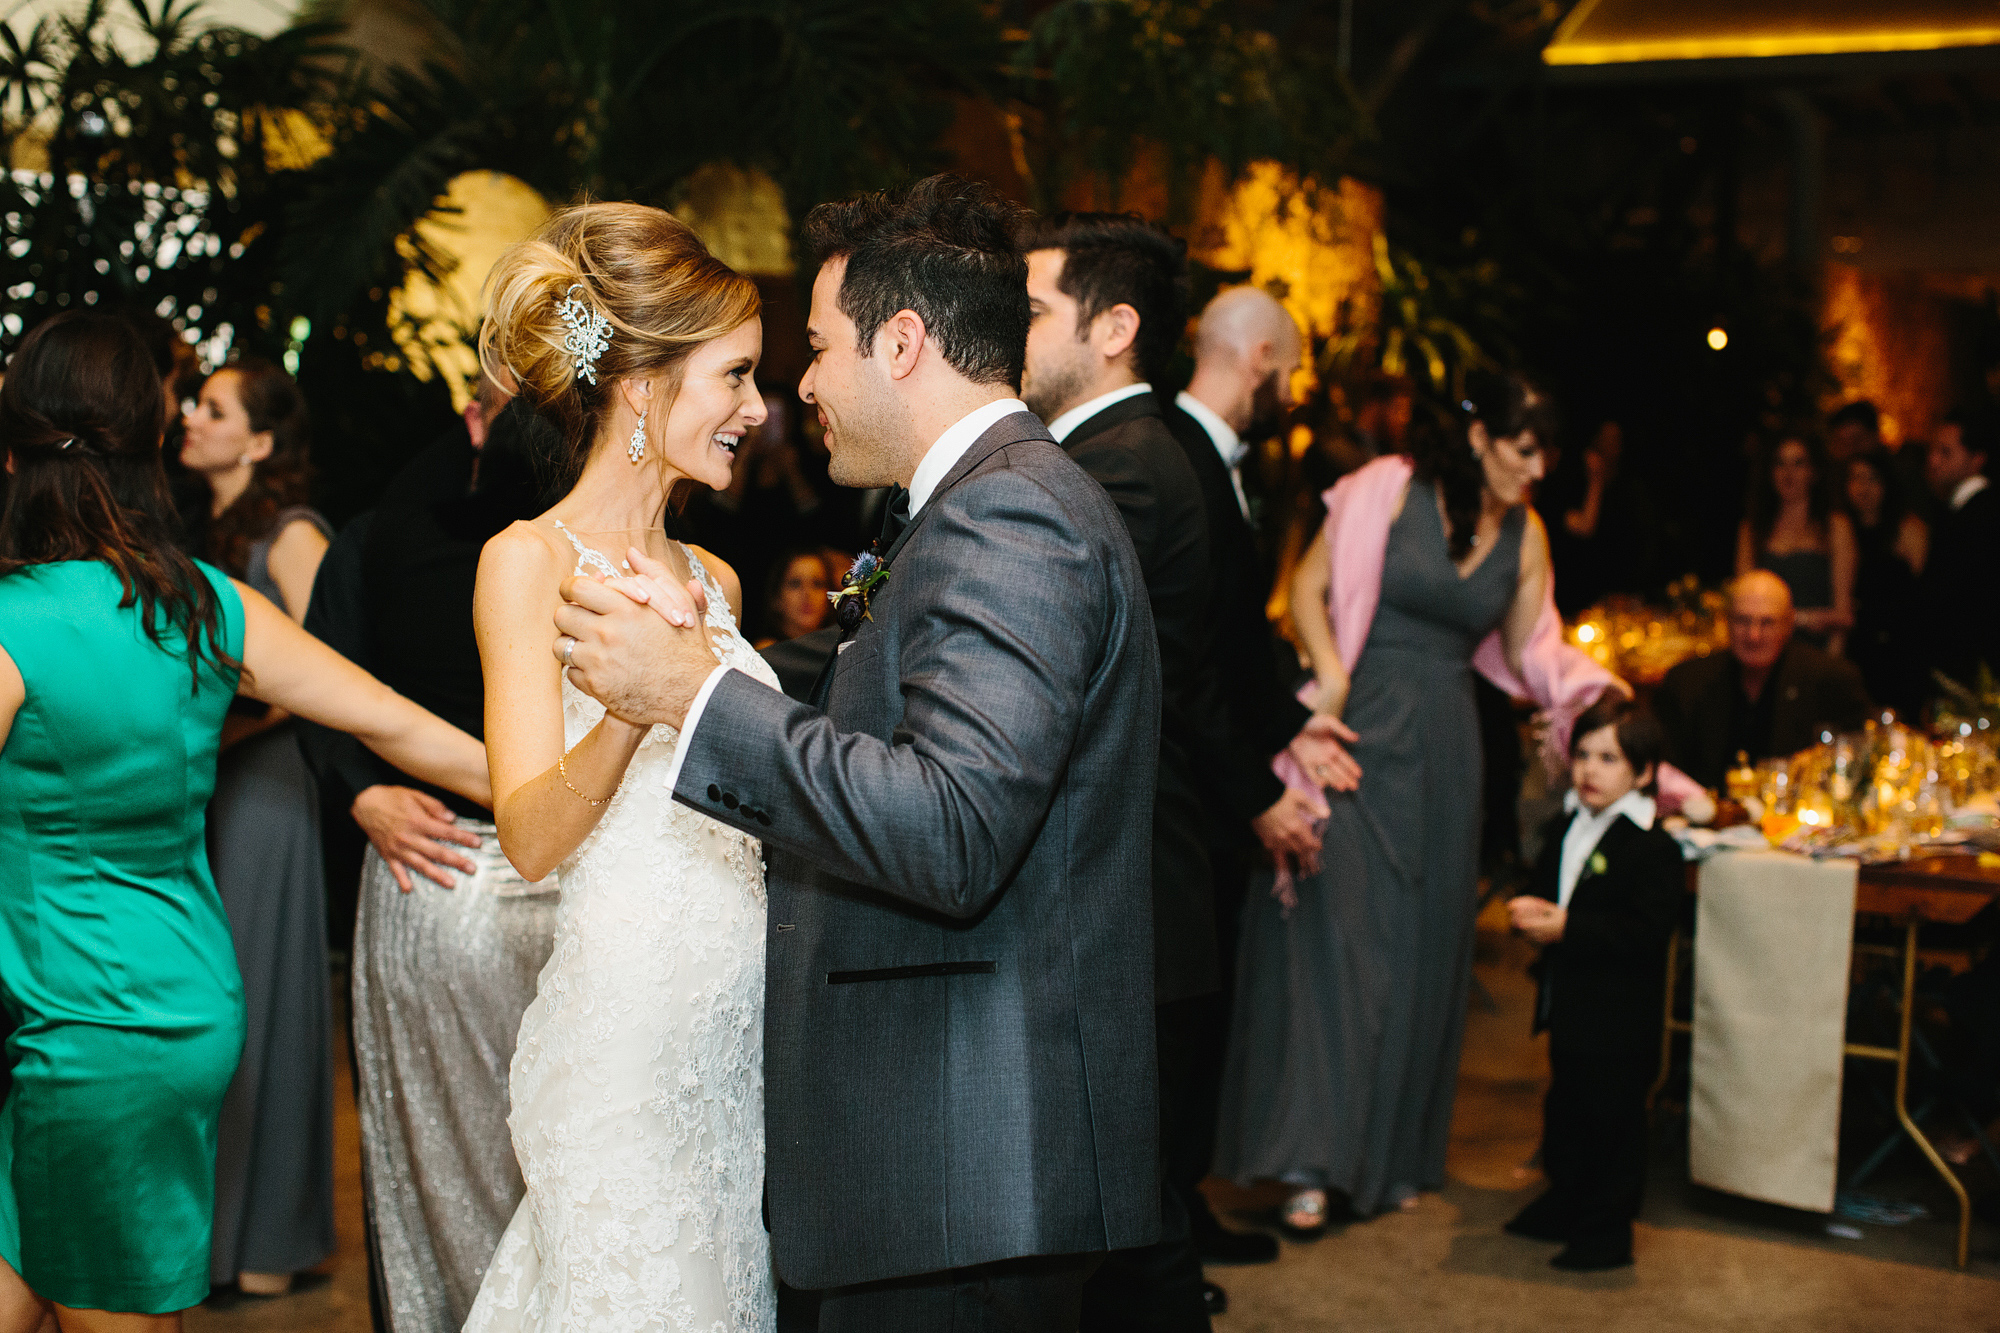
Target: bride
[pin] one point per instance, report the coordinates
(637, 1083)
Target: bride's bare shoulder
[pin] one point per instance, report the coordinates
(524, 540)
(518, 557)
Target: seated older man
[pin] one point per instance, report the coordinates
(1768, 695)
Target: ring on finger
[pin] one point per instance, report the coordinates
(566, 649)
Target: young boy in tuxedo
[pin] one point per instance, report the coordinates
(1602, 902)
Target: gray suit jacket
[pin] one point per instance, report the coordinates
(958, 1032)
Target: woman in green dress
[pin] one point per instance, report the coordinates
(118, 658)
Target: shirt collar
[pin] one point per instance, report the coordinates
(951, 446)
(1227, 442)
(1076, 416)
(1635, 805)
(1968, 488)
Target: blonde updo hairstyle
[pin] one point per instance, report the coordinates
(643, 270)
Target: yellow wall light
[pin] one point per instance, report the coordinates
(1612, 32)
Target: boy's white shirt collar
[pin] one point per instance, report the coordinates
(1635, 804)
(1586, 830)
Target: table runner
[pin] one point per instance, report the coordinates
(1774, 935)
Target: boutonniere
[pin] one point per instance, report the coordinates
(850, 599)
(1597, 865)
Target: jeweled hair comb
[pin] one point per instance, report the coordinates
(589, 332)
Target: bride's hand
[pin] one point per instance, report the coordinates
(642, 672)
(652, 584)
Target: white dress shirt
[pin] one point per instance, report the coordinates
(1587, 829)
(1968, 488)
(1076, 416)
(943, 456)
(937, 461)
(1228, 443)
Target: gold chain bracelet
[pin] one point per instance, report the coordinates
(572, 786)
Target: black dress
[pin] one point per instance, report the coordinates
(1882, 641)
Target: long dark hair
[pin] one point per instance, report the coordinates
(1889, 520)
(1763, 504)
(1440, 442)
(272, 402)
(80, 416)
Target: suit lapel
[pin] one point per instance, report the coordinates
(1010, 429)
(1546, 881)
(1620, 830)
(1120, 412)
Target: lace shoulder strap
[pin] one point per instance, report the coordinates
(587, 559)
(719, 615)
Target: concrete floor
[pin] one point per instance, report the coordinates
(1705, 1260)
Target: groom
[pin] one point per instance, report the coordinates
(958, 1055)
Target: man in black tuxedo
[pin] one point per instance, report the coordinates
(1245, 352)
(1769, 695)
(1958, 603)
(1106, 300)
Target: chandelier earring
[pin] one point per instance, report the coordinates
(636, 446)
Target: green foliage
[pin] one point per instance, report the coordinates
(625, 100)
(1436, 322)
(158, 190)
(1977, 703)
(1197, 80)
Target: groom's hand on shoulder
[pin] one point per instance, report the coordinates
(628, 658)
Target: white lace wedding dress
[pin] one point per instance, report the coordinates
(638, 1082)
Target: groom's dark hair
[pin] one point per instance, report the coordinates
(944, 248)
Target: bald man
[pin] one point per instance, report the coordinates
(1769, 695)
(1245, 351)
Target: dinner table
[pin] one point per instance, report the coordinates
(1938, 889)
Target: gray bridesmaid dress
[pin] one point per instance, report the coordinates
(274, 1145)
(1343, 1054)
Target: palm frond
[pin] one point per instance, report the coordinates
(382, 177)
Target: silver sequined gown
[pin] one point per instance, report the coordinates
(441, 977)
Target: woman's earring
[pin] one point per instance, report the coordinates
(636, 446)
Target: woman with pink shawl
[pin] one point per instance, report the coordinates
(1352, 984)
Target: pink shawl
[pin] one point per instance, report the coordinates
(1555, 674)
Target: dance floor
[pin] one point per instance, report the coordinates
(1705, 1261)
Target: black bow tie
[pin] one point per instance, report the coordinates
(894, 520)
